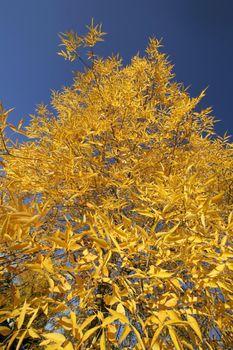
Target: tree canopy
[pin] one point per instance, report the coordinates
(116, 213)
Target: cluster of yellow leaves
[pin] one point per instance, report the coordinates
(72, 41)
(116, 216)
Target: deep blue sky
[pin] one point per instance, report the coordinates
(197, 36)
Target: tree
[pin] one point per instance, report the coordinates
(116, 213)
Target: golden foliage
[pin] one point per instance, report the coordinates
(116, 214)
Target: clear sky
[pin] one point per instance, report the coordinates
(197, 36)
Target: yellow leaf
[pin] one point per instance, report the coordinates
(108, 320)
(120, 308)
(56, 337)
(89, 333)
(230, 266)
(138, 337)
(194, 325)
(189, 346)
(73, 320)
(45, 342)
(173, 315)
(224, 241)
(125, 333)
(51, 284)
(145, 213)
(217, 198)
(110, 299)
(176, 283)
(16, 295)
(116, 244)
(5, 330)
(162, 274)
(32, 333)
(60, 307)
(156, 346)
(21, 317)
(162, 315)
(156, 335)
(101, 242)
(102, 341)
(69, 346)
(218, 269)
(119, 316)
(45, 308)
(171, 302)
(230, 217)
(20, 123)
(12, 340)
(111, 333)
(34, 267)
(33, 317)
(87, 321)
(224, 286)
(173, 229)
(59, 242)
(47, 263)
(20, 246)
(203, 220)
(52, 346)
(174, 338)
(21, 340)
(212, 179)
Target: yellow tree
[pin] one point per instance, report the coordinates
(116, 213)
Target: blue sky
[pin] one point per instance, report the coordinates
(197, 36)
